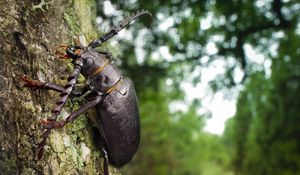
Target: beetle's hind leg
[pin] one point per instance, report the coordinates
(100, 143)
(105, 161)
(36, 84)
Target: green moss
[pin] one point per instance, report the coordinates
(75, 152)
(70, 66)
(71, 18)
(29, 106)
(87, 8)
(9, 166)
(76, 16)
(57, 141)
(43, 69)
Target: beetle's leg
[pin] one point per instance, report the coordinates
(105, 161)
(50, 123)
(36, 84)
(100, 143)
(72, 79)
(81, 92)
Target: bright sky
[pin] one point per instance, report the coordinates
(221, 111)
(219, 107)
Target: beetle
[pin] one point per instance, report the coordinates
(107, 90)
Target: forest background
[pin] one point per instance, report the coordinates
(247, 51)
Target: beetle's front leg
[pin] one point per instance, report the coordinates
(50, 123)
(36, 84)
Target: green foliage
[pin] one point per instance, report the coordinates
(262, 137)
(264, 132)
(174, 143)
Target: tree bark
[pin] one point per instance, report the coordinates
(29, 35)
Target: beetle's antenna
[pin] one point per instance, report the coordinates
(114, 31)
(72, 79)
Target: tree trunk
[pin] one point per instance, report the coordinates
(29, 35)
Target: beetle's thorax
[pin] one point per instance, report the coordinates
(100, 74)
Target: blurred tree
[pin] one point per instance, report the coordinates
(187, 36)
(193, 31)
(264, 131)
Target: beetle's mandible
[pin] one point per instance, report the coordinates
(111, 94)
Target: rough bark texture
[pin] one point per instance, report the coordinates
(29, 36)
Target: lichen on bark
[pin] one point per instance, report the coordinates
(29, 37)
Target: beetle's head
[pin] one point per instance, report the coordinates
(74, 51)
(70, 51)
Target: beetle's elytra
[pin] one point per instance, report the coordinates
(111, 94)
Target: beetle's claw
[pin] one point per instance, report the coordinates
(51, 124)
(61, 51)
(33, 84)
(47, 124)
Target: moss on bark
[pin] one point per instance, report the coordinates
(29, 37)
